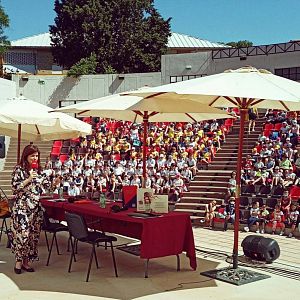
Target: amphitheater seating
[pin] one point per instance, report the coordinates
(295, 192)
(269, 126)
(277, 126)
(63, 157)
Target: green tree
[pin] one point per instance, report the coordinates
(4, 43)
(85, 66)
(126, 36)
(240, 44)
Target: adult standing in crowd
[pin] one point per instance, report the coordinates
(252, 115)
(27, 214)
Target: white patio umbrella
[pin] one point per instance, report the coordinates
(243, 88)
(32, 121)
(166, 108)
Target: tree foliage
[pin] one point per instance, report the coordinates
(4, 23)
(240, 44)
(85, 66)
(125, 35)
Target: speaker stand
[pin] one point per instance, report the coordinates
(236, 276)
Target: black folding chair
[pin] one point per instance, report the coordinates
(79, 231)
(53, 228)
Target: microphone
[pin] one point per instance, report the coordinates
(34, 167)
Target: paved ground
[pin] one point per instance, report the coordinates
(164, 282)
(217, 240)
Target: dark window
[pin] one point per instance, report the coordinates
(174, 79)
(289, 73)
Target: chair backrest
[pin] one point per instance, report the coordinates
(46, 221)
(277, 126)
(77, 226)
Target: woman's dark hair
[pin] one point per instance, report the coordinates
(28, 150)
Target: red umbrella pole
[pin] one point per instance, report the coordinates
(19, 143)
(243, 112)
(145, 123)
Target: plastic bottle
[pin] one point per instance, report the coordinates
(61, 193)
(102, 200)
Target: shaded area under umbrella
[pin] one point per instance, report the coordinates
(32, 121)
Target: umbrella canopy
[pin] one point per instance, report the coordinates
(243, 88)
(169, 107)
(164, 108)
(32, 121)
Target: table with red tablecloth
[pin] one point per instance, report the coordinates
(168, 234)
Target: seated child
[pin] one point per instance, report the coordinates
(263, 217)
(254, 217)
(277, 218)
(292, 218)
(229, 212)
(210, 212)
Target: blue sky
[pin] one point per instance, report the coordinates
(259, 21)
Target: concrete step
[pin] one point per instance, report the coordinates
(4, 181)
(199, 206)
(199, 183)
(202, 200)
(225, 162)
(214, 172)
(231, 151)
(225, 159)
(191, 211)
(212, 179)
(204, 194)
(222, 167)
(209, 188)
(231, 139)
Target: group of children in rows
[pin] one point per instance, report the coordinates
(274, 164)
(112, 157)
(285, 214)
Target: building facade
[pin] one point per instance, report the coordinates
(187, 58)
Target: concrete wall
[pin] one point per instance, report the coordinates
(185, 64)
(7, 89)
(269, 62)
(49, 89)
(203, 64)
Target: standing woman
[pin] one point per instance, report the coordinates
(27, 214)
(252, 114)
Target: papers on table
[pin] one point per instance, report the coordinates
(149, 202)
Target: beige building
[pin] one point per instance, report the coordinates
(40, 79)
(33, 54)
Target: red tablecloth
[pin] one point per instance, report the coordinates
(169, 234)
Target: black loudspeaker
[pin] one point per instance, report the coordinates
(2, 146)
(261, 248)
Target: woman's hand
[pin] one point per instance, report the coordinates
(32, 174)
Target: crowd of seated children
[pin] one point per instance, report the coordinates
(274, 165)
(285, 214)
(112, 156)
